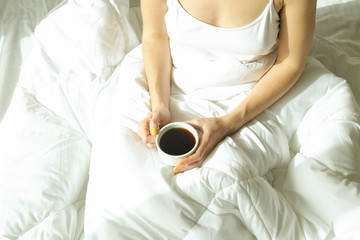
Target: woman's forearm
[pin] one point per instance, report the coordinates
(274, 84)
(156, 52)
(295, 37)
(157, 61)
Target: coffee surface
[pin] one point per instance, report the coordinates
(177, 141)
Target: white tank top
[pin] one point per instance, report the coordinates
(207, 57)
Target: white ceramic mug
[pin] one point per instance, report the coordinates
(167, 157)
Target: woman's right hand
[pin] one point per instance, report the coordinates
(150, 126)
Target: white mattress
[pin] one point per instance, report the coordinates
(60, 80)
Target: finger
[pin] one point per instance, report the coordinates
(151, 145)
(194, 160)
(150, 140)
(188, 163)
(180, 168)
(143, 131)
(189, 160)
(177, 168)
(198, 155)
(153, 126)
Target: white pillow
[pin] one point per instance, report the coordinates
(79, 45)
(87, 35)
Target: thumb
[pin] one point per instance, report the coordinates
(154, 126)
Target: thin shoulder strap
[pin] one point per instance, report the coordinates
(170, 3)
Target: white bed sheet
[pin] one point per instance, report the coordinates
(51, 134)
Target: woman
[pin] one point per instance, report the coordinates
(217, 65)
(271, 38)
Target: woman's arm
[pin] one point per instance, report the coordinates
(157, 62)
(156, 52)
(296, 32)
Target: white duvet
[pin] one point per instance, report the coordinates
(72, 167)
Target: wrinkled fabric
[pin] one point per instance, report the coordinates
(291, 173)
(235, 185)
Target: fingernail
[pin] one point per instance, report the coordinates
(176, 170)
(180, 164)
(154, 131)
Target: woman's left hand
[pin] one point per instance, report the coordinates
(211, 131)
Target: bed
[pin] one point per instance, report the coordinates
(61, 63)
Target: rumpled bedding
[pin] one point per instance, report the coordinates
(72, 166)
(233, 194)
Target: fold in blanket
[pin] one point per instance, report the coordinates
(235, 185)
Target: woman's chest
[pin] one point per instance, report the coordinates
(226, 13)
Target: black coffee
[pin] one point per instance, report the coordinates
(177, 141)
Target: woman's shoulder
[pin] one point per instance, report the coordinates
(280, 4)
